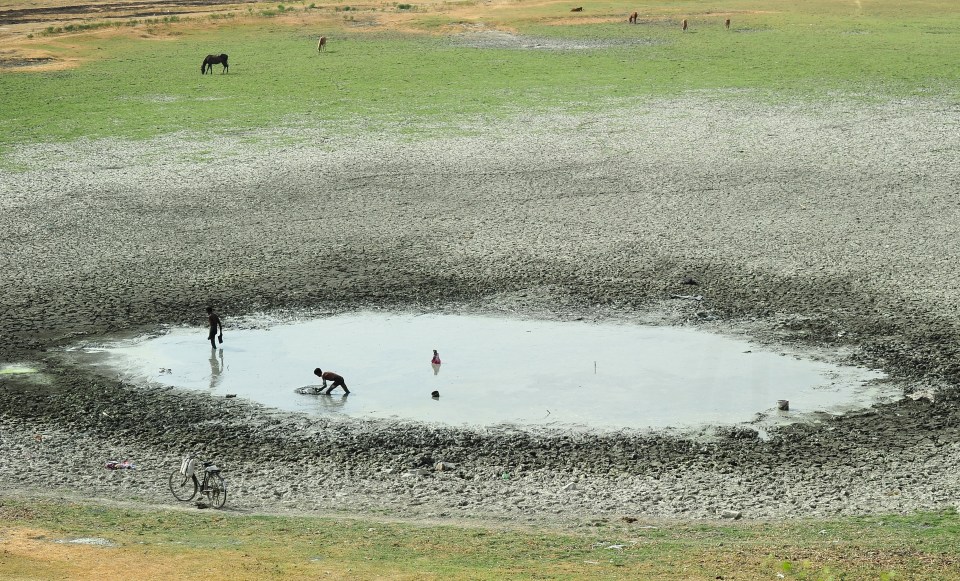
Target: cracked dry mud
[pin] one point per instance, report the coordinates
(810, 226)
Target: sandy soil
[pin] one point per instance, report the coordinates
(808, 225)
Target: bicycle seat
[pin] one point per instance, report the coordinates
(211, 468)
(205, 464)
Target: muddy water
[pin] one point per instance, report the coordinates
(496, 370)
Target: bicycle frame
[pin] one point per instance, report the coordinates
(212, 486)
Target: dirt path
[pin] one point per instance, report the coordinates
(810, 225)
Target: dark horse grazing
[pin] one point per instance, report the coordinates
(214, 59)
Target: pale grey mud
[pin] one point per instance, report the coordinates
(829, 230)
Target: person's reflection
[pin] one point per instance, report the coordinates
(332, 404)
(436, 368)
(216, 367)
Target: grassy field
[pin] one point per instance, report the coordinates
(167, 544)
(143, 80)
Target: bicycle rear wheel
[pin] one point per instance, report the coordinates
(216, 490)
(183, 487)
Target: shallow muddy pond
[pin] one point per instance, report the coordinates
(495, 371)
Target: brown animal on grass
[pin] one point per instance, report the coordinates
(214, 59)
(633, 18)
(322, 43)
(726, 24)
(684, 24)
(577, 9)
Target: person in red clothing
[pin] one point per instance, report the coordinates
(331, 376)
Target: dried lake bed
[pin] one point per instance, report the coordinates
(809, 228)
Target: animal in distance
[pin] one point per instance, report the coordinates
(683, 25)
(726, 24)
(577, 9)
(214, 59)
(321, 44)
(633, 18)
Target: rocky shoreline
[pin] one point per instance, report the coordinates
(813, 227)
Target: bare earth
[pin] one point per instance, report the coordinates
(813, 226)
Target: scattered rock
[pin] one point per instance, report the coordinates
(422, 460)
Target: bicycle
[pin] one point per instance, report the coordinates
(185, 485)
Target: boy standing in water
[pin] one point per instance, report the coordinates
(215, 325)
(331, 376)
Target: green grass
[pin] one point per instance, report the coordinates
(240, 547)
(136, 88)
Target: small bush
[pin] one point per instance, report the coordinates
(30, 35)
(404, 6)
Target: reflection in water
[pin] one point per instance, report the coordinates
(332, 403)
(216, 367)
(436, 368)
(651, 376)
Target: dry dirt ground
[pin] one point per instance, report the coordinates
(25, 45)
(810, 226)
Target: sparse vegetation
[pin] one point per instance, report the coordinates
(431, 81)
(254, 547)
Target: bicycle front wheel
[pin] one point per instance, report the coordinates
(216, 490)
(183, 487)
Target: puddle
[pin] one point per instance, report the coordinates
(496, 371)
(14, 369)
(22, 372)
